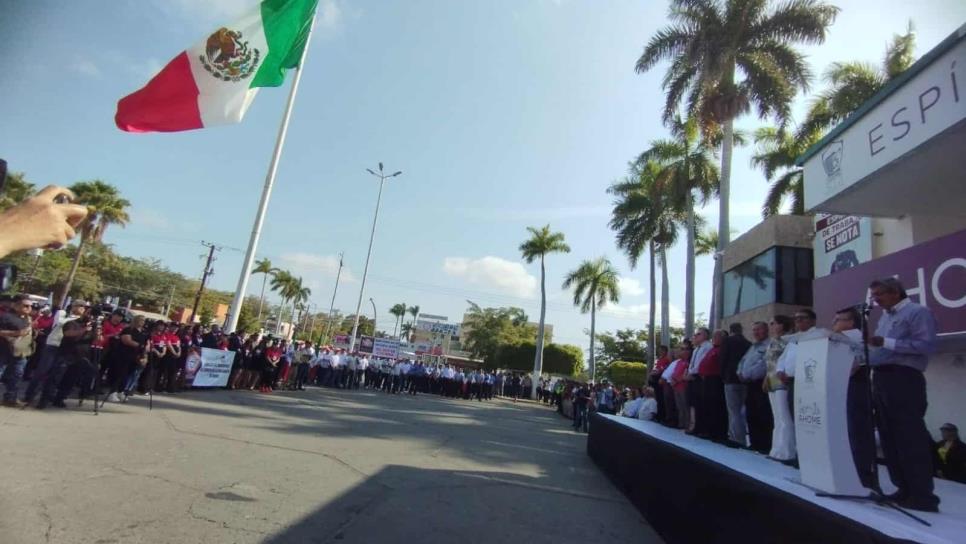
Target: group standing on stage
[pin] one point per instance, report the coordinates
(725, 388)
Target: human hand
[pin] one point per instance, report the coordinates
(40, 221)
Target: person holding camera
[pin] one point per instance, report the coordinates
(75, 354)
(51, 366)
(16, 346)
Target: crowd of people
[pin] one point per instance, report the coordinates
(47, 356)
(724, 387)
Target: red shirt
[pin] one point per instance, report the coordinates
(661, 365)
(273, 353)
(680, 371)
(159, 341)
(43, 323)
(108, 331)
(711, 364)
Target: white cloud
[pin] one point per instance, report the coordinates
(208, 11)
(630, 287)
(494, 273)
(86, 67)
(310, 266)
(329, 14)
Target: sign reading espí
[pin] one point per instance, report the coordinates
(929, 103)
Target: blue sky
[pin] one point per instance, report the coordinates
(501, 114)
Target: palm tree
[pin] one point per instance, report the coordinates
(398, 310)
(642, 221)
(15, 190)
(282, 282)
(687, 167)
(413, 311)
(595, 284)
(541, 242)
(705, 242)
(851, 84)
(710, 44)
(777, 153)
(105, 207)
(263, 266)
(407, 330)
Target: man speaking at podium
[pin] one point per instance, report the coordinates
(903, 340)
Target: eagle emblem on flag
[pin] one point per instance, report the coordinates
(227, 57)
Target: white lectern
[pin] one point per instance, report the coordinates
(823, 365)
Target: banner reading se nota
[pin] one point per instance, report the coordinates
(208, 367)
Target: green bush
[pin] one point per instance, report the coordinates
(557, 358)
(625, 374)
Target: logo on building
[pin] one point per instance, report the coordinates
(810, 414)
(811, 366)
(832, 157)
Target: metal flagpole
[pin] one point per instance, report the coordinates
(267, 190)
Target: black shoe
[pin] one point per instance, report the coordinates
(58, 404)
(42, 405)
(922, 505)
(897, 496)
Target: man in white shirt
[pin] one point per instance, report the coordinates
(632, 406)
(49, 367)
(362, 370)
(648, 406)
(804, 322)
(702, 345)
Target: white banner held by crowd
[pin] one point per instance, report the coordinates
(208, 368)
(385, 348)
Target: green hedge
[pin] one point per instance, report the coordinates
(625, 374)
(557, 358)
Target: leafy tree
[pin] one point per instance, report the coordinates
(487, 329)
(777, 153)
(623, 345)
(594, 284)
(686, 167)
(643, 218)
(627, 373)
(541, 243)
(16, 190)
(206, 316)
(727, 56)
(851, 84)
(265, 268)
(106, 207)
(413, 311)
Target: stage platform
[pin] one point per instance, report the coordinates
(693, 490)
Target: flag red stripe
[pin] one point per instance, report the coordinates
(168, 103)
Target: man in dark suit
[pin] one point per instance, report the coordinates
(734, 348)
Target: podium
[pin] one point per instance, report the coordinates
(823, 365)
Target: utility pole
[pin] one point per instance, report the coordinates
(328, 324)
(167, 307)
(204, 277)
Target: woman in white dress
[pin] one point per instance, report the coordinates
(783, 435)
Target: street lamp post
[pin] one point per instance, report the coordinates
(365, 271)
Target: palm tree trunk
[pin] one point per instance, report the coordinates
(278, 322)
(593, 324)
(724, 222)
(538, 356)
(73, 269)
(665, 302)
(651, 337)
(261, 299)
(689, 272)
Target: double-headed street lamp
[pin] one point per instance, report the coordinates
(365, 271)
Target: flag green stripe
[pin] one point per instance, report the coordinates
(286, 24)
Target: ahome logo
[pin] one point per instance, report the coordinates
(810, 415)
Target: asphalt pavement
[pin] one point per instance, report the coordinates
(320, 466)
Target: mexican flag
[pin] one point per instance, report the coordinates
(214, 82)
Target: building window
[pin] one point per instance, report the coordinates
(780, 274)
